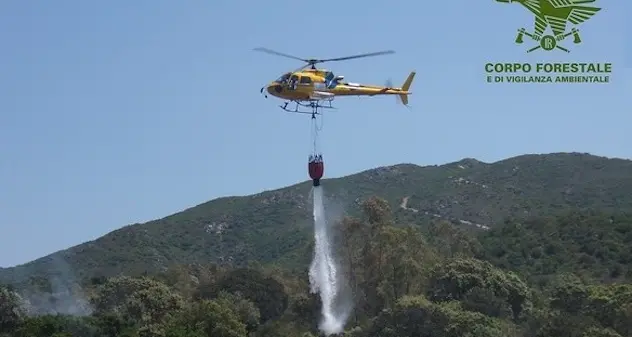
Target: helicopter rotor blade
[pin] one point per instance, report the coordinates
(312, 62)
(384, 52)
(270, 51)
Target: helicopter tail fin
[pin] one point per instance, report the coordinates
(406, 86)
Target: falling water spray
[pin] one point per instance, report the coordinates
(323, 272)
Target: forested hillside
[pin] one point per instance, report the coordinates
(276, 226)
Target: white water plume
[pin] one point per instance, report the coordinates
(323, 272)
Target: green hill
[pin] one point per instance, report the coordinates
(275, 226)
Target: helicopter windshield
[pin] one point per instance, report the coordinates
(283, 78)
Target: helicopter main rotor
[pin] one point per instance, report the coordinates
(313, 62)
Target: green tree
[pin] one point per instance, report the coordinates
(12, 312)
(565, 324)
(599, 332)
(457, 278)
(418, 317)
(305, 310)
(143, 300)
(384, 262)
(452, 242)
(378, 215)
(265, 292)
(247, 312)
(611, 305)
(59, 326)
(569, 294)
(113, 325)
(406, 256)
(206, 318)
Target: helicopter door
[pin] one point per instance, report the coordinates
(293, 82)
(306, 81)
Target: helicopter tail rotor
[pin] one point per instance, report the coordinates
(402, 98)
(389, 85)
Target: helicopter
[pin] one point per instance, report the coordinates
(316, 88)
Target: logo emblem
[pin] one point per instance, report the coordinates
(554, 14)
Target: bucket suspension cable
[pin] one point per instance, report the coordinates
(316, 127)
(315, 166)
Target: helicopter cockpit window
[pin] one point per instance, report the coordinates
(306, 80)
(283, 78)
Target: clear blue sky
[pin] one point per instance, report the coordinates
(125, 111)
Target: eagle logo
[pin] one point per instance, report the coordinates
(554, 14)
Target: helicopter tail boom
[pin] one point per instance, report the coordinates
(406, 86)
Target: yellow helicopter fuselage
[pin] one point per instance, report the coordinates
(321, 84)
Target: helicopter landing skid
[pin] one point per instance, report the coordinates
(313, 106)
